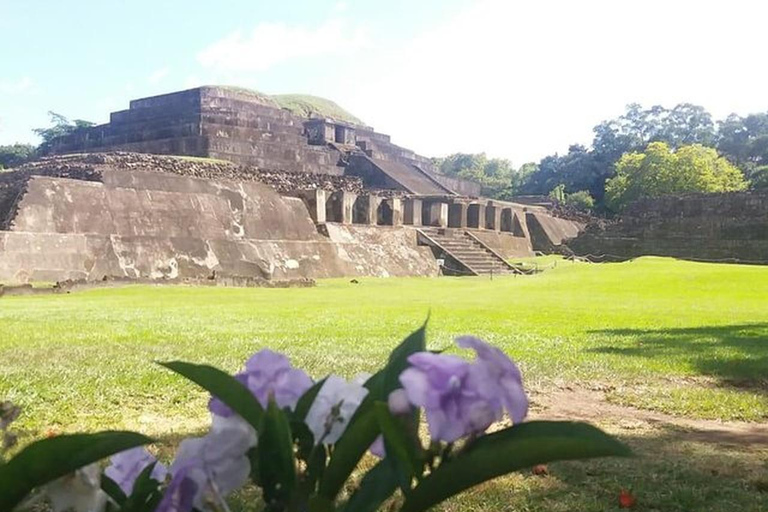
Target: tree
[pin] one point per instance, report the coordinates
(580, 200)
(61, 127)
(14, 155)
(685, 124)
(579, 169)
(588, 169)
(661, 171)
(744, 141)
(495, 175)
(758, 178)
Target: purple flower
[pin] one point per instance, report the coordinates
(268, 373)
(438, 383)
(462, 398)
(180, 494)
(497, 378)
(207, 469)
(127, 466)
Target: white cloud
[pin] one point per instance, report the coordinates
(274, 43)
(20, 86)
(341, 6)
(158, 75)
(522, 79)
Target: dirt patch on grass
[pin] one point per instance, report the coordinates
(575, 403)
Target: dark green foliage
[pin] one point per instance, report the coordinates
(61, 127)
(49, 459)
(14, 155)
(744, 141)
(496, 176)
(580, 200)
(277, 465)
(758, 178)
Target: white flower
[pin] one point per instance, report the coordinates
(79, 492)
(333, 407)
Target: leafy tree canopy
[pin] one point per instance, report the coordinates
(61, 127)
(660, 170)
(588, 169)
(496, 175)
(744, 141)
(14, 155)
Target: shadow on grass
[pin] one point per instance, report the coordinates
(669, 473)
(736, 355)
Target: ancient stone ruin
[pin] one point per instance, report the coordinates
(220, 181)
(729, 227)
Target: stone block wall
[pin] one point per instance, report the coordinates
(139, 224)
(731, 226)
(548, 233)
(214, 122)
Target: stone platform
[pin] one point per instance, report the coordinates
(157, 225)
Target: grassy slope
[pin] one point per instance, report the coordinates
(684, 337)
(305, 105)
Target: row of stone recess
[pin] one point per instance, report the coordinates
(444, 211)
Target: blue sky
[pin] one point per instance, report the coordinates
(517, 79)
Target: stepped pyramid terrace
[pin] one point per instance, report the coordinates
(230, 182)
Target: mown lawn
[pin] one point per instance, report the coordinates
(685, 338)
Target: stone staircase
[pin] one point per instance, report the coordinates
(472, 257)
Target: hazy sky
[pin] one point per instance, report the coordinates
(516, 79)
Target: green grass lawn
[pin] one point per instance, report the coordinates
(685, 338)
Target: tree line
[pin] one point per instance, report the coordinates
(642, 153)
(13, 155)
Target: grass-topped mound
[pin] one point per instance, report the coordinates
(313, 106)
(304, 105)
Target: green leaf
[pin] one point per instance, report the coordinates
(223, 386)
(304, 438)
(320, 504)
(378, 484)
(350, 448)
(307, 399)
(399, 446)
(113, 490)
(277, 466)
(145, 492)
(363, 428)
(48, 459)
(511, 449)
(398, 361)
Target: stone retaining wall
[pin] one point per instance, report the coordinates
(140, 224)
(731, 226)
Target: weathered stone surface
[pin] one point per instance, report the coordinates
(731, 226)
(506, 244)
(140, 224)
(547, 233)
(382, 251)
